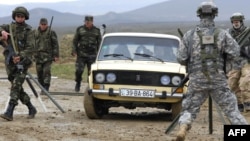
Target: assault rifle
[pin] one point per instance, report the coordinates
(51, 21)
(9, 49)
(103, 29)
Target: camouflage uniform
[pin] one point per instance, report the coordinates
(238, 79)
(47, 49)
(202, 52)
(85, 45)
(21, 33)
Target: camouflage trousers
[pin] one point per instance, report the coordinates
(245, 83)
(44, 72)
(233, 82)
(81, 62)
(222, 96)
(17, 79)
(239, 83)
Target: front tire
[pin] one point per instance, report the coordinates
(90, 106)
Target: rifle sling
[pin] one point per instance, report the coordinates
(12, 40)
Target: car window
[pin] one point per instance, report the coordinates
(122, 48)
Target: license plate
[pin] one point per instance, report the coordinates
(137, 93)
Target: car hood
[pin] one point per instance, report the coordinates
(139, 65)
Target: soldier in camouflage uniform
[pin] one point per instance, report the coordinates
(86, 42)
(17, 63)
(202, 50)
(238, 79)
(47, 51)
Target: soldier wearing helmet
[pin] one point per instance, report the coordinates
(238, 78)
(201, 50)
(86, 41)
(18, 38)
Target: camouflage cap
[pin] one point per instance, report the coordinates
(88, 18)
(43, 21)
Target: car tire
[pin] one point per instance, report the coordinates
(90, 106)
(176, 109)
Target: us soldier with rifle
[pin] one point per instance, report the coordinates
(202, 49)
(238, 77)
(46, 51)
(18, 59)
(86, 42)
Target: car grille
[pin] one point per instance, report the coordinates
(138, 78)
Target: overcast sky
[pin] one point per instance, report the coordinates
(14, 2)
(94, 7)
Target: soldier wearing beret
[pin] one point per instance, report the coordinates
(47, 51)
(86, 42)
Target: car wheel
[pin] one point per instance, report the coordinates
(90, 107)
(176, 109)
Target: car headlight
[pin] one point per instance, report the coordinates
(111, 77)
(176, 80)
(99, 77)
(165, 80)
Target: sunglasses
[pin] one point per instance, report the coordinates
(43, 24)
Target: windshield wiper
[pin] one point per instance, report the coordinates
(149, 56)
(118, 55)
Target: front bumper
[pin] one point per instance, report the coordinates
(111, 92)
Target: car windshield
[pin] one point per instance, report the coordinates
(138, 49)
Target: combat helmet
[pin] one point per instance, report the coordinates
(237, 16)
(21, 10)
(207, 9)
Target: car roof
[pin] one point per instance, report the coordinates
(141, 34)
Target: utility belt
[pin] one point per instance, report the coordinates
(209, 67)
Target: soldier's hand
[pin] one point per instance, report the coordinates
(16, 59)
(5, 35)
(73, 54)
(56, 59)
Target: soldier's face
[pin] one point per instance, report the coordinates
(236, 24)
(43, 26)
(19, 18)
(89, 24)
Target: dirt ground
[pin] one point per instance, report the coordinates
(65, 120)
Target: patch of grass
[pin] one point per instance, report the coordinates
(66, 71)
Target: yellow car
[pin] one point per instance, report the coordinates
(135, 70)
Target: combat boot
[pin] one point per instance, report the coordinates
(241, 107)
(247, 106)
(181, 134)
(46, 87)
(8, 115)
(77, 87)
(32, 110)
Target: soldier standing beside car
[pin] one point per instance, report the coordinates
(86, 42)
(238, 79)
(18, 36)
(202, 50)
(46, 51)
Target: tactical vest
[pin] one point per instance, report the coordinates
(210, 58)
